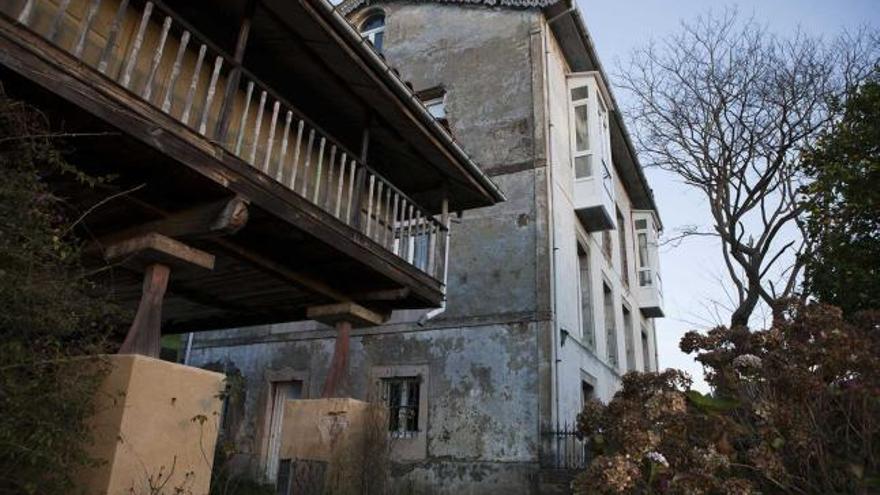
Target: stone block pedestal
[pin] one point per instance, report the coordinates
(156, 425)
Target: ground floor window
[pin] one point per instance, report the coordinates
(401, 395)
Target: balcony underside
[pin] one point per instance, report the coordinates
(290, 255)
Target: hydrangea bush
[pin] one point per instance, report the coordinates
(795, 409)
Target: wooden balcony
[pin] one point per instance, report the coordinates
(195, 128)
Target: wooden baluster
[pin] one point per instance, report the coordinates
(318, 171)
(395, 235)
(84, 30)
(157, 58)
(270, 142)
(296, 154)
(55, 27)
(341, 183)
(258, 127)
(350, 191)
(407, 233)
(386, 219)
(209, 98)
(378, 214)
(370, 204)
(193, 85)
(444, 232)
(307, 164)
(111, 37)
(432, 246)
(279, 174)
(331, 164)
(242, 125)
(175, 72)
(417, 238)
(27, 10)
(131, 60)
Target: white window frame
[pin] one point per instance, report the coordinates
(438, 102)
(572, 117)
(370, 34)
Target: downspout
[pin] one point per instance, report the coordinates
(444, 219)
(188, 351)
(548, 130)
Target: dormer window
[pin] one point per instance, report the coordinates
(434, 100)
(373, 29)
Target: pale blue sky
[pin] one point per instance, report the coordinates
(691, 271)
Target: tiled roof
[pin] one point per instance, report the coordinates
(349, 6)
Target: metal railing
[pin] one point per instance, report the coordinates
(564, 448)
(164, 61)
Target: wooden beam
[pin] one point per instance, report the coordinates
(215, 219)
(382, 295)
(262, 262)
(282, 271)
(153, 248)
(355, 314)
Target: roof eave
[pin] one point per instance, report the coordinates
(409, 97)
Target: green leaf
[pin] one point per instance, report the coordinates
(709, 404)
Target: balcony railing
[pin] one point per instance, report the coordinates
(161, 59)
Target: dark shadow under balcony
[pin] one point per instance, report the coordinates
(186, 128)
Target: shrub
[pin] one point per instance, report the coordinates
(50, 314)
(796, 409)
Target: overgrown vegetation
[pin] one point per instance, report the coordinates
(796, 410)
(50, 314)
(843, 203)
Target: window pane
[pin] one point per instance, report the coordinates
(373, 22)
(586, 300)
(436, 108)
(581, 131)
(641, 224)
(583, 166)
(377, 40)
(579, 93)
(643, 250)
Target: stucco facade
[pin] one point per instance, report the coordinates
(507, 359)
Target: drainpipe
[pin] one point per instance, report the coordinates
(188, 351)
(552, 221)
(444, 219)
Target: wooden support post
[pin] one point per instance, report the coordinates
(339, 364)
(234, 78)
(343, 316)
(361, 177)
(145, 332)
(155, 254)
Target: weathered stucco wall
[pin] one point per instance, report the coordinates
(481, 387)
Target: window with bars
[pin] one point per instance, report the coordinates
(401, 395)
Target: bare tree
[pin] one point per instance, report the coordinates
(729, 107)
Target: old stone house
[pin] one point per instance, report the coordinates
(550, 296)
